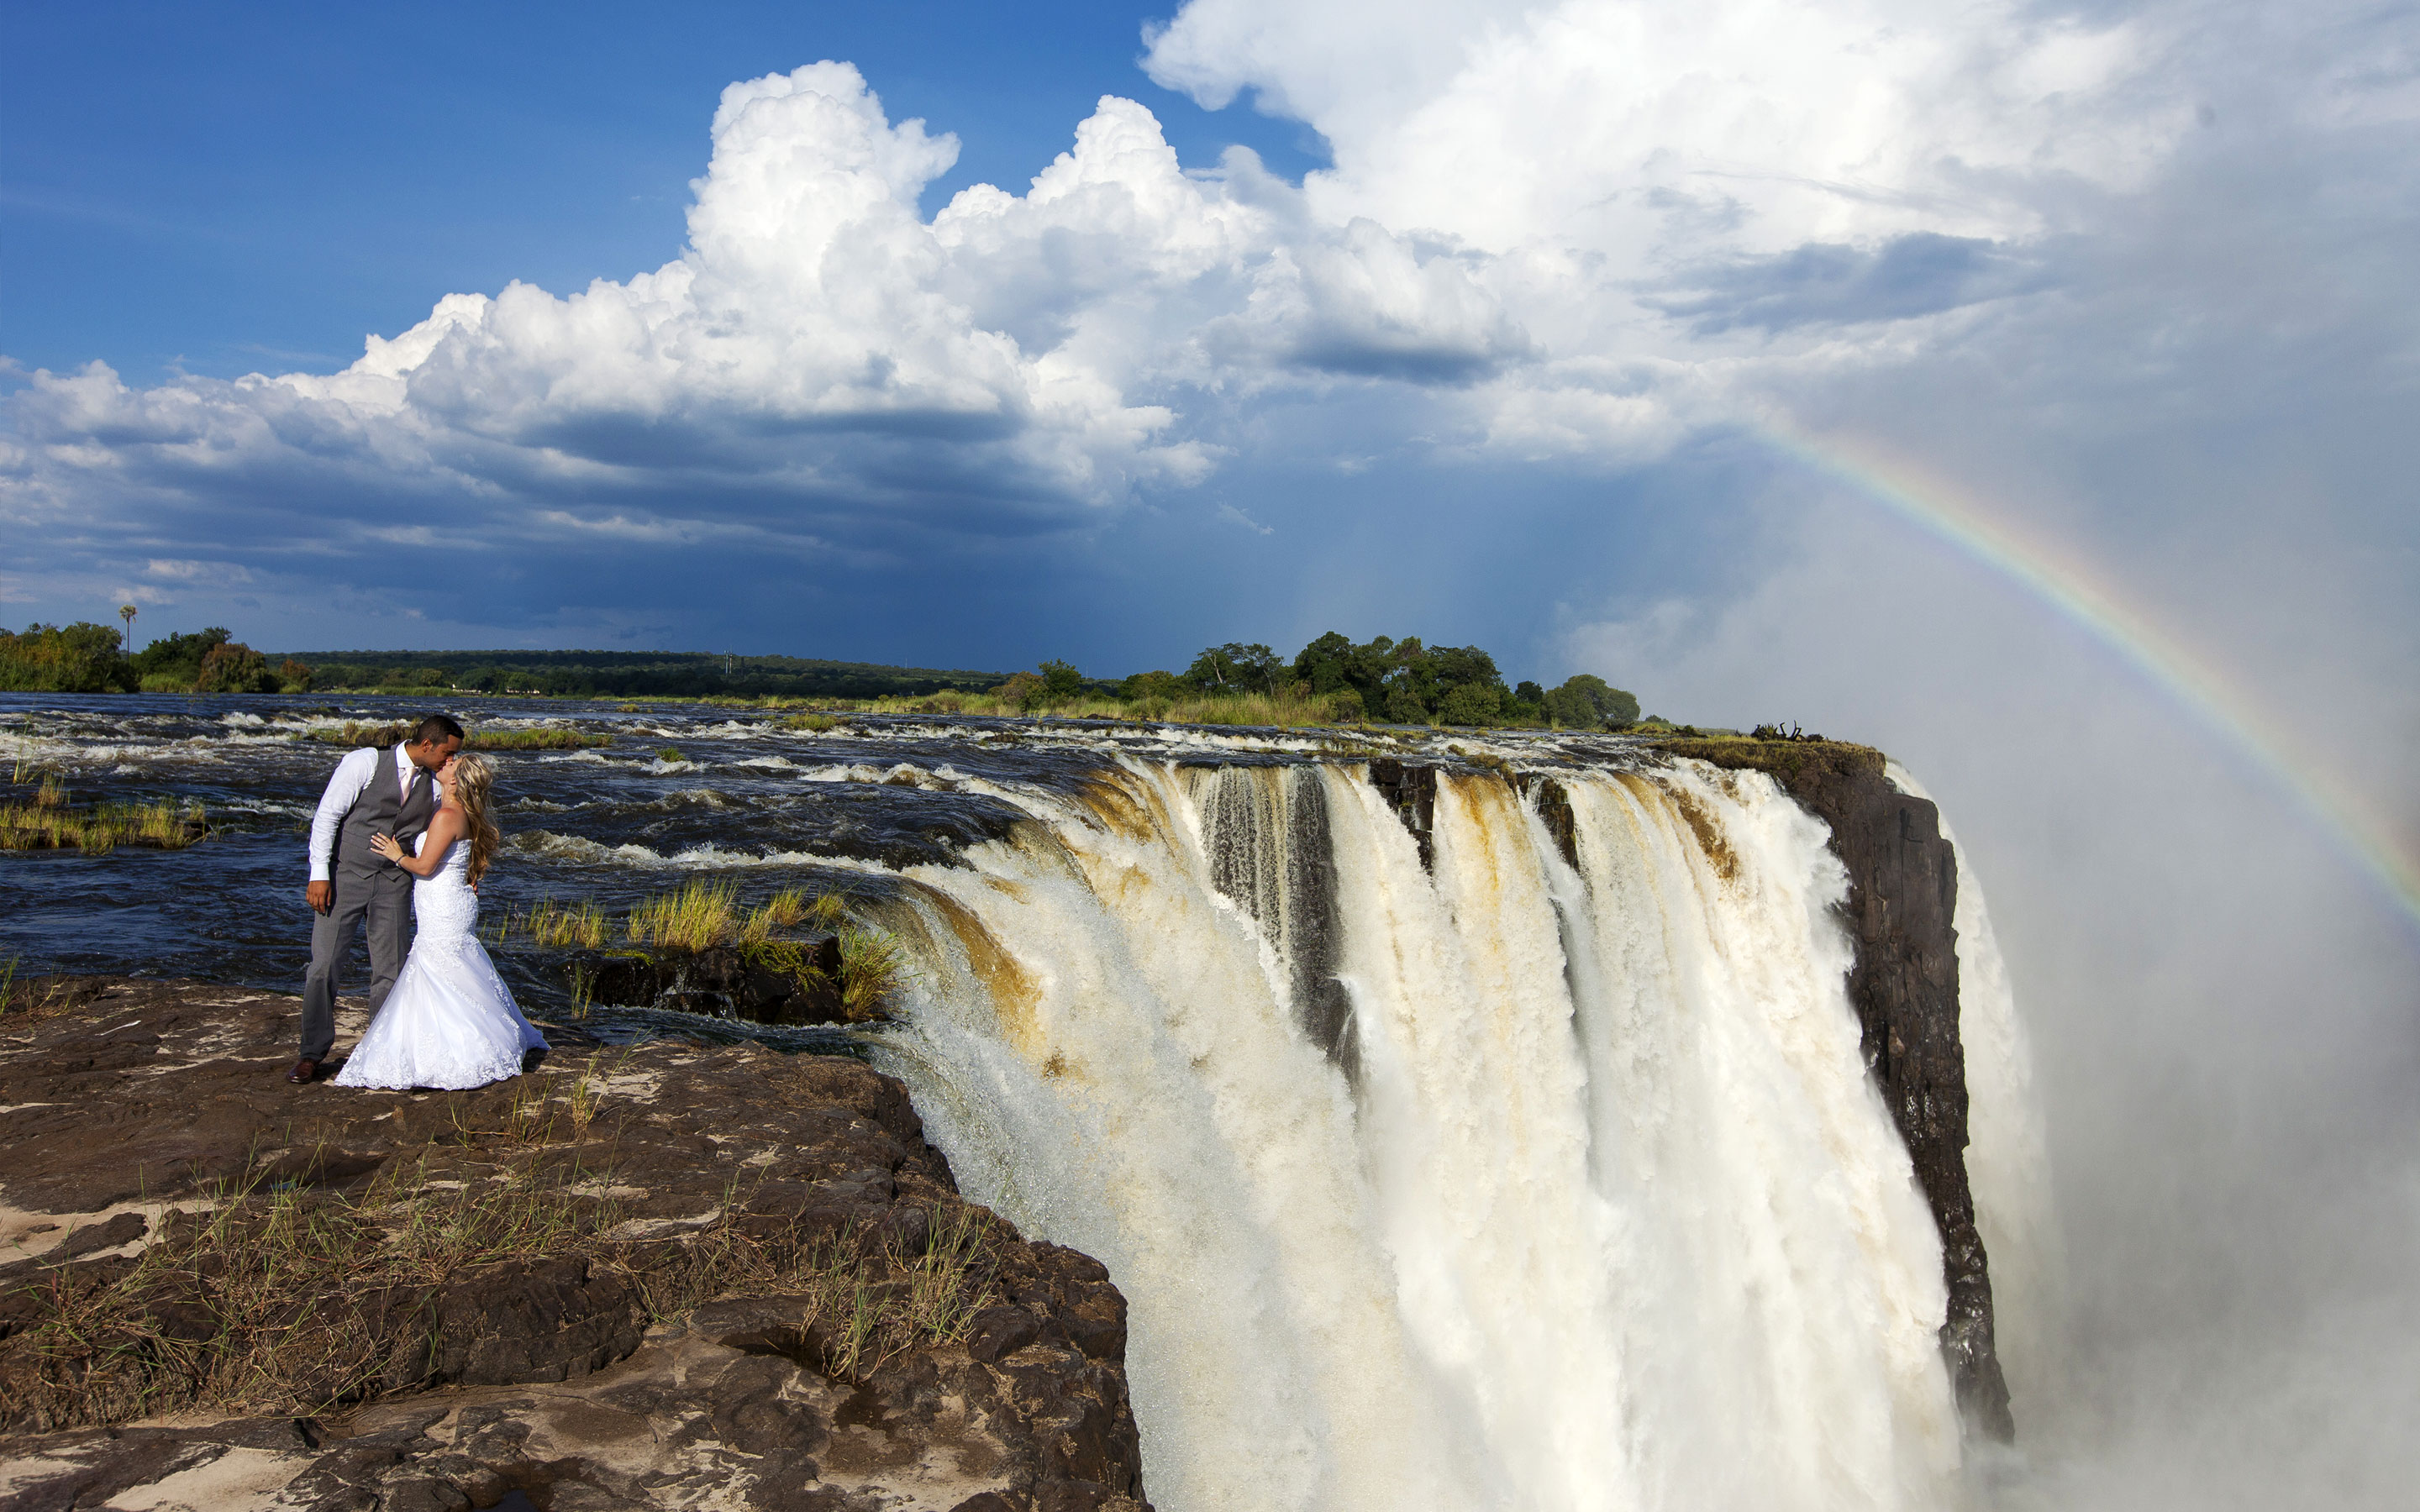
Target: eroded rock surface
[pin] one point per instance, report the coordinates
(661, 1345)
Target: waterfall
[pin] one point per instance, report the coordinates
(1534, 1166)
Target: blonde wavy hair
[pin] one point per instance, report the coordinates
(473, 778)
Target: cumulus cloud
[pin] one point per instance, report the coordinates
(1577, 230)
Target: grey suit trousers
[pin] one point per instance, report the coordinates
(383, 901)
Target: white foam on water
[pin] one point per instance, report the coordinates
(546, 843)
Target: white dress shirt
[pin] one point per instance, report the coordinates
(352, 779)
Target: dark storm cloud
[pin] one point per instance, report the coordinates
(1833, 284)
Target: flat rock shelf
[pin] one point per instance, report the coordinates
(659, 1276)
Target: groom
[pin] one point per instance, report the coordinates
(373, 793)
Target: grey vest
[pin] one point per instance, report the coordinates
(381, 810)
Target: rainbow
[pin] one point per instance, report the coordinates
(2077, 591)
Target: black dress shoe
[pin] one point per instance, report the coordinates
(303, 1073)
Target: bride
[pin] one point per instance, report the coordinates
(449, 1021)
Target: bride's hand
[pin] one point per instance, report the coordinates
(385, 846)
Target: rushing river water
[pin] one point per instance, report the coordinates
(1527, 1162)
(681, 790)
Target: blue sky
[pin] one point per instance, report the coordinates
(1501, 298)
(224, 190)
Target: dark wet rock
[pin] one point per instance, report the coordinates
(1555, 812)
(1410, 789)
(614, 1369)
(1901, 909)
(1265, 826)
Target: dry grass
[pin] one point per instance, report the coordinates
(788, 909)
(701, 914)
(862, 1308)
(698, 917)
(545, 738)
(49, 824)
(33, 999)
(561, 925)
(282, 1299)
(874, 971)
(704, 914)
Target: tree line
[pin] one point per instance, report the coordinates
(1382, 679)
(85, 657)
(1396, 682)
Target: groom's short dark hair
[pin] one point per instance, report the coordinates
(435, 730)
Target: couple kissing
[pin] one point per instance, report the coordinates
(403, 834)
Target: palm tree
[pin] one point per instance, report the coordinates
(126, 612)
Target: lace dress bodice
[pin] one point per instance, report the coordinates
(442, 903)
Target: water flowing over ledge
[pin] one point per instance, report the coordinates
(1524, 1122)
(1546, 1174)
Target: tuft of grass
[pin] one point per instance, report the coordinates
(862, 1307)
(559, 925)
(546, 737)
(779, 912)
(874, 970)
(699, 915)
(101, 829)
(813, 723)
(669, 753)
(789, 908)
(52, 794)
(29, 1001)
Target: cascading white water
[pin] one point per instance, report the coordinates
(1578, 1196)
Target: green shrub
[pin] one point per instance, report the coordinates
(1023, 691)
(232, 667)
(1587, 702)
(1061, 681)
(176, 660)
(1472, 703)
(83, 657)
(1152, 684)
(1236, 668)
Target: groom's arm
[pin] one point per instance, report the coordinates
(351, 779)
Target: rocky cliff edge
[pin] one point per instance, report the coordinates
(668, 1277)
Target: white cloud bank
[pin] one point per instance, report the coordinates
(1569, 231)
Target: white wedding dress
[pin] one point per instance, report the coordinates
(449, 1021)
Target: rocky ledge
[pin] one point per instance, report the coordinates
(665, 1276)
